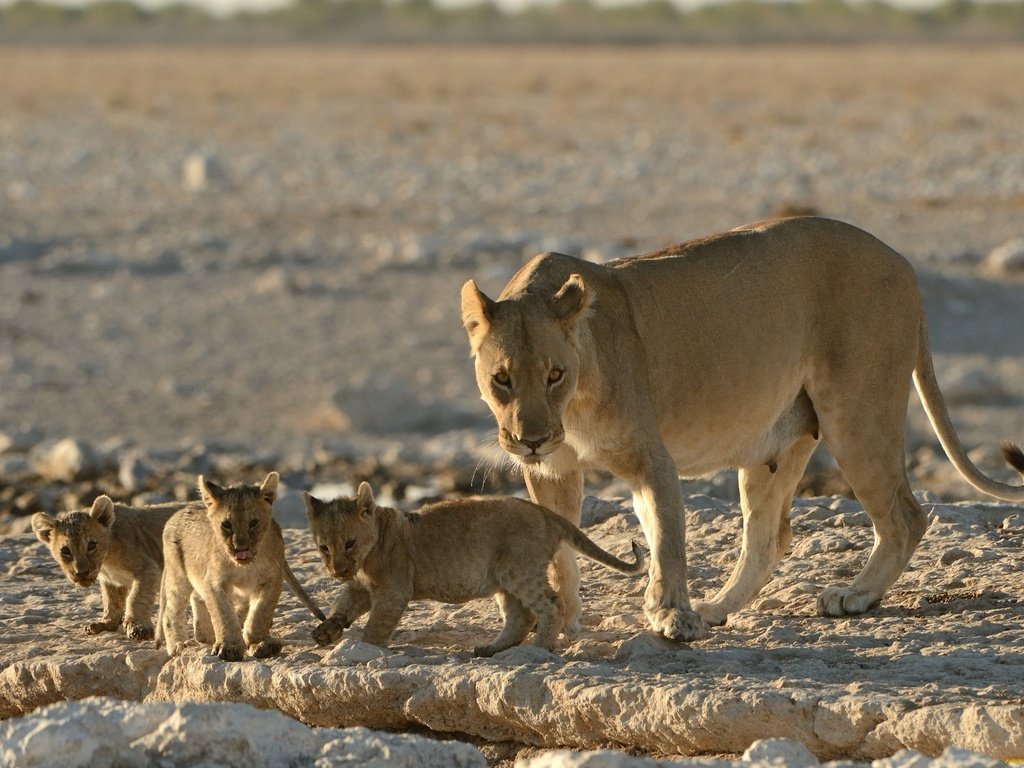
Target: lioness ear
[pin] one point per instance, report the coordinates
(268, 490)
(43, 525)
(573, 299)
(210, 492)
(364, 497)
(477, 313)
(103, 511)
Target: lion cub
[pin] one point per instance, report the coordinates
(451, 551)
(226, 558)
(118, 545)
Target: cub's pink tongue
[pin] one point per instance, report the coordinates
(244, 554)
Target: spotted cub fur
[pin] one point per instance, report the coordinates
(117, 545)
(451, 551)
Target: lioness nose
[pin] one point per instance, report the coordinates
(533, 445)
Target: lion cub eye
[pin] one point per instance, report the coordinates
(226, 526)
(556, 375)
(350, 545)
(65, 552)
(253, 524)
(502, 379)
(325, 549)
(92, 546)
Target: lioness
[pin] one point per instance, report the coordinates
(226, 557)
(1014, 456)
(117, 545)
(451, 551)
(737, 350)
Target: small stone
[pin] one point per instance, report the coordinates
(1007, 258)
(787, 752)
(70, 459)
(134, 472)
(20, 440)
(950, 556)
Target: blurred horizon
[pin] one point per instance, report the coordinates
(511, 21)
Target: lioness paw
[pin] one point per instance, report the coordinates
(678, 624)
(714, 615)
(328, 632)
(138, 631)
(844, 601)
(229, 651)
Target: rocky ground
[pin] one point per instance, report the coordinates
(225, 261)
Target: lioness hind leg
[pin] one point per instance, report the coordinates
(765, 498)
(517, 625)
(873, 463)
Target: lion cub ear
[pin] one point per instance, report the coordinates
(43, 525)
(268, 490)
(477, 313)
(102, 511)
(573, 299)
(313, 505)
(209, 492)
(364, 498)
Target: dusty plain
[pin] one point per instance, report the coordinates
(227, 260)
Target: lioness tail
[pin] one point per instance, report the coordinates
(296, 587)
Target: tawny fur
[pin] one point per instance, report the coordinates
(737, 350)
(117, 545)
(225, 556)
(451, 551)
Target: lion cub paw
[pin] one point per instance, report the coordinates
(266, 648)
(229, 651)
(682, 625)
(328, 632)
(138, 631)
(102, 626)
(844, 601)
(713, 615)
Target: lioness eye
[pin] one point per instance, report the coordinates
(350, 544)
(502, 379)
(65, 553)
(555, 376)
(92, 546)
(226, 526)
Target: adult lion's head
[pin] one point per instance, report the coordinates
(526, 351)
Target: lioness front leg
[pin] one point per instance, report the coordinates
(563, 495)
(352, 603)
(658, 501)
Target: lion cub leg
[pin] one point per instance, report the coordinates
(386, 611)
(202, 625)
(517, 625)
(113, 608)
(227, 631)
(174, 601)
(765, 498)
(138, 621)
(530, 587)
(353, 602)
(256, 631)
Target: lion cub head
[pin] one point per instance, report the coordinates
(240, 515)
(79, 540)
(526, 352)
(345, 530)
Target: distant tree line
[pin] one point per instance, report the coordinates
(565, 21)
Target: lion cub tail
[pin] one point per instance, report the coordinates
(579, 541)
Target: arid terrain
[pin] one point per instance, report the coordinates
(227, 260)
